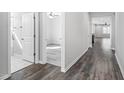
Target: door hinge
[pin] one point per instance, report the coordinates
(34, 36)
(34, 17)
(34, 54)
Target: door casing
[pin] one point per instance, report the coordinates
(36, 28)
(44, 43)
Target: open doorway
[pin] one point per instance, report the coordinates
(22, 40)
(102, 29)
(53, 38)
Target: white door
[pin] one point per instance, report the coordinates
(28, 36)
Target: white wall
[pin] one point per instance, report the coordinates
(119, 44)
(54, 30)
(3, 43)
(76, 36)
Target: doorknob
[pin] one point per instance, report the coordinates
(22, 39)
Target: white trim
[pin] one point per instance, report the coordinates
(36, 15)
(122, 71)
(9, 47)
(9, 42)
(63, 43)
(67, 68)
(41, 62)
(43, 36)
(63, 69)
(111, 31)
(90, 46)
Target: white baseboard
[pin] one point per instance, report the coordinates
(72, 63)
(63, 69)
(122, 71)
(41, 62)
(90, 46)
(5, 77)
(54, 63)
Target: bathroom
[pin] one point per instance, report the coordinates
(18, 23)
(53, 38)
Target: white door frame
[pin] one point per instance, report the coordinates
(37, 38)
(36, 28)
(63, 68)
(112, 31)
(43, 44)
(43, 36)
(9, 44)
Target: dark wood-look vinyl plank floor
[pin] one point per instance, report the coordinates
(98, 63)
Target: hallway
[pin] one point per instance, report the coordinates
(98, 63)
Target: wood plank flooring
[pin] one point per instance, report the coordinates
(98, 63)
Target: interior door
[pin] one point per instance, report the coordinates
(28, 36)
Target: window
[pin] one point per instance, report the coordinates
(106, 29)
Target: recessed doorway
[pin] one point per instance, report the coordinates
(22, 40)
(101, 29)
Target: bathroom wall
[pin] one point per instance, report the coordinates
(53, 28)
